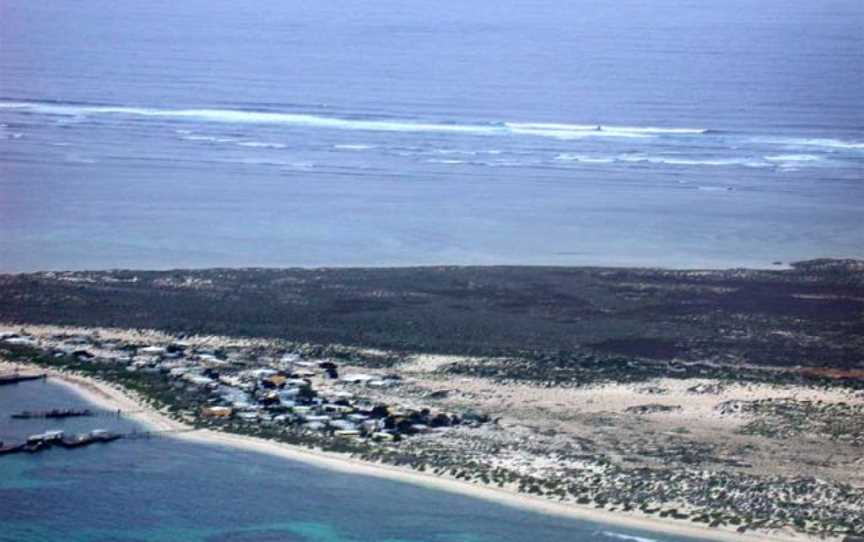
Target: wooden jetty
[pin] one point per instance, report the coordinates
(51, 439)
(10, 449)
(53, 414)
(16, 378)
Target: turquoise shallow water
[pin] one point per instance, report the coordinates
(162, 490)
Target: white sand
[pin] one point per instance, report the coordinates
(113, 397)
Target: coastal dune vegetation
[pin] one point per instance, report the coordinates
(728, 400)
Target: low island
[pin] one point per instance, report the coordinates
(719, 404)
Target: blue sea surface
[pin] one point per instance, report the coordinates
(166, 490)
(166, 134)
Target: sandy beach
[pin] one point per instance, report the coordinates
(112, 397)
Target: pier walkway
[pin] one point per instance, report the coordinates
(72, 413)
(54, 439)
(15, 378)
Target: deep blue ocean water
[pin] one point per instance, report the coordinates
(163, 490)
(168, 134)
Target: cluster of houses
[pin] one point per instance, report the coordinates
(311, 394)
(244, 386)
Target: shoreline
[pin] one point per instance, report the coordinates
(112, 397)
(778, 264)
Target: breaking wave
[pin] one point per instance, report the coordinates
(445, 161)
(205, 138)
(558, 131)
(793, 158)
(622, 536)
(188, 135)
(691, 161)
(825, 143)
(707, 188)
(567, 157)
(354, 147)
(577, 131)
(636, 145)
(664, 160)
(261, 145)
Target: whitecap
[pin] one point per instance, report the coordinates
(793, 158)
(743, 162)
(258, 162)
(77, 159)
(509, 163)
(464, 152)
(568, 157)
(354, 147)
(570, 131)
(253, 117)
(445, 161)
(622, 536)
(654, 130)
(454, 151)
(206, 138)
(827, 143)
(261, 145)
(574, 131)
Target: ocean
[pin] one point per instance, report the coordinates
(675, 133)
(165, 490)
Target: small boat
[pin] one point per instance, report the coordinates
(42, 441)
(97, 435)
(101, 435)
(47, 436)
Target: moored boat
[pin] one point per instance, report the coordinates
(97, 435)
